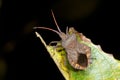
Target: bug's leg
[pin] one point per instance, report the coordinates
(53, 42)
(91, 60)
(56, 46)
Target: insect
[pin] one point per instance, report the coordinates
(78, 54)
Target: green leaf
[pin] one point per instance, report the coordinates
(103, 67)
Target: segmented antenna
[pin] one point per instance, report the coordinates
(58, 32)
(47, 29)
(55, 21)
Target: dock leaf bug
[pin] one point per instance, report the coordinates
(78, 54)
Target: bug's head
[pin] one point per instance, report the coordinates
(59, 32)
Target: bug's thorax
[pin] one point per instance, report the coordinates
(68, 41)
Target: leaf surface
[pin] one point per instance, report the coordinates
(103, 67)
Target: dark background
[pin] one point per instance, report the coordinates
(23, 56)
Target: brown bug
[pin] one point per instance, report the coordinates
(78, 54)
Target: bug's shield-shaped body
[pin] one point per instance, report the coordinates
(78, 54)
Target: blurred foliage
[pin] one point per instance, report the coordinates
(75, 9)
(3, 68)
(0, 3)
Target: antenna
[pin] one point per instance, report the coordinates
(47, 29)
(67, 30)
(55, 21)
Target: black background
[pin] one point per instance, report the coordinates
(29, 59)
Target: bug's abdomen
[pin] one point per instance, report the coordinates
(72, 57)
(79, 57)
(78, 61)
